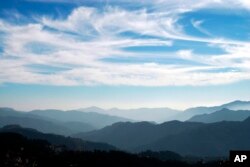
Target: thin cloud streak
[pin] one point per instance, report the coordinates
(88, 35)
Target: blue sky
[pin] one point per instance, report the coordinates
(125, 54)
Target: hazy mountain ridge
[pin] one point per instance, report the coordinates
(185, 138)
(57, 140)
(98, 117)
(221, 115)
(190, 137)
(215, 139)
(92, 118)
(161, 115)
(57, 121)
(188, 113)
(39, 124)
(158, 115)
(129, 135)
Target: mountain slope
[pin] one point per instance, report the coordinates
(131, 135)
(17, 150)
(186, 138)
(235, 105)
(215, 139)
(158, 115)
(41, 123)
(222, 115)
(57, 140)
(95, 119)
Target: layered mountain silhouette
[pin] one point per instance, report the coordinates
(92, 118)
(43, 124)
(17, 150)
(221, 115)
(209, 131)
(186, 138)
(129, 136)
(56, 121)
(189, 113)
(58, 140)
(158, 115)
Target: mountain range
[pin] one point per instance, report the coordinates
(160, 115)
(157, 115)
(185, 138)
(205, 131)
(57, 121)
(190, 112)
(57, 140)
(95, 119)
(221, 115)
(129, 136)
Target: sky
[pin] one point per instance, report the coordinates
(122, 53)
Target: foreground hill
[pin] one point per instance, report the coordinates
(186, 138)
(221, 115)
(215, 139)
(129, 135)
(57, 140)
(17, 150)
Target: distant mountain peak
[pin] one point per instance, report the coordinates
(91, 109)
(94, 107)
(237, 102)
(223, 114)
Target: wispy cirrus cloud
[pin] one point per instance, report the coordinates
(87, 35)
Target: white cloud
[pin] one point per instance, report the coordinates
(185, 54)
(88, 35)
(177, 5)
(198, 25)
(93, 24)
